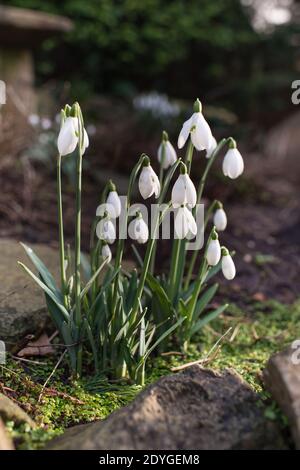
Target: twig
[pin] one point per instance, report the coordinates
(206, 358)
(51, 375)
(173, 353)
(16, 358)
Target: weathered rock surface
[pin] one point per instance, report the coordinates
(10, 411)
(5, 441)
(196, 409)
(282, 378)
(22, 304)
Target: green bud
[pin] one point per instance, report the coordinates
(183, 169)
(67, 110)
(146, 160)
(165, 136)
(111, 186)
(224, 251)
(214, 234)
(219, 205)
(231, 143)
(197, 106)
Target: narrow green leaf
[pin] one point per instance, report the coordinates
(46, 290)
(208, 318)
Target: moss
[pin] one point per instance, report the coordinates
(257, 331)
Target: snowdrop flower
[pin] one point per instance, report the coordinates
(138, 229)
(198, 128)
(106, 231)
(212, 148)
(185, 223)
(166, 153)
(228, 267)
(220, 218)
(148, 181)
(46, 124)
(106, 252)
(113, 203)
(69, 135)
(233, 164)
(184, 191)
(213, 253)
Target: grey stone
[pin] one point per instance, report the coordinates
(282, 379)
(22, 303)
(10, 411)
(196, 409)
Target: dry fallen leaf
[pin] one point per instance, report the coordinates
(40, 347)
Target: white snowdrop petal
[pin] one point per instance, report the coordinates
(191, 222)
(178, 192)
(213, 254)
(220, 220)
(148, 183)
(233, 164)
(212, 147)
(184, 133)
(201, 135)
(181, 225)
(113, 205)
(228, 267)
(106, 231)
(191, 193)
(138, 230)
(67, 138)
(86, 141)
(106, 253)
(171, 155)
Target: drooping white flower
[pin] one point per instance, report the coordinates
(233, 163)
(138, 230)
(166, 153)
(113, 204)
(184, 192)
(212, 148)
(106, 231)
(69, 136)
(149, 182)
(198, 128)
(228, 267)
(213, 253)
(185, 223)
(106, 252)
(220, 219)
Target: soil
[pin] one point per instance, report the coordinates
(262, 208)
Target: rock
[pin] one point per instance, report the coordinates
(282, 379)
(10, 411)
(196, 409)
(22, 303)
(5, 441)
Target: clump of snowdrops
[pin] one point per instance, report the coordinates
(121, 317)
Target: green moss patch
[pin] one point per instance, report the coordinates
(257, 331)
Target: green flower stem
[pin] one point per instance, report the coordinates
(161, 169)
(61, 234)
(178, 248)
(199, 197)
(197, 288)
(146, 264)
(78, 242)
(195, 253)
(123, 230)
(208, 167)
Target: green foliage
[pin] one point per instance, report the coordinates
(133, 45)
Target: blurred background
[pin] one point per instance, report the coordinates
(136, 68)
